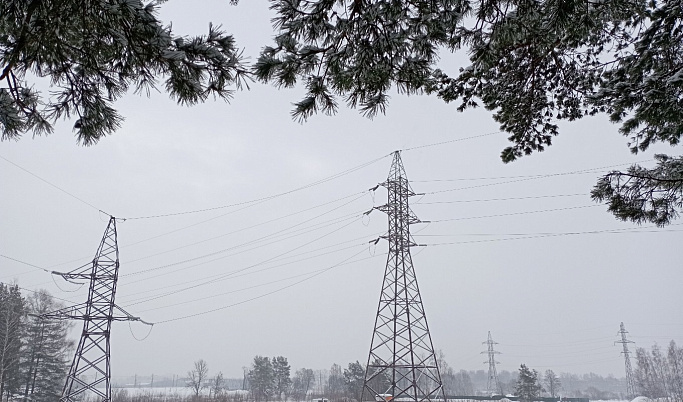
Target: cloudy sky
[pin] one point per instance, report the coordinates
(278, 262)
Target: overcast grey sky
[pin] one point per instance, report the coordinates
(529, 258)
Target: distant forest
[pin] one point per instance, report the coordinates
(35, 355)
(321, 384)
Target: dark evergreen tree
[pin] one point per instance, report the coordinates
(261, 379)
(92, 60)
(354, 376)
(528, 388)
(532, 63)
(281, 379)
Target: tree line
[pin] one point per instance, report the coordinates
(34, 353)
(659, 374)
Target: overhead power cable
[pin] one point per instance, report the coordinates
(228, 275)
(249, 227)
(451, 141)
(535, 177)
(263, 295)
(260, 239)
(53, 185)
(238, 275)
(514, 213)
(267, 198)
(25, 263)
(638, 229)
(258, 285)
(499, 199)
(38, 291)
(538, 237)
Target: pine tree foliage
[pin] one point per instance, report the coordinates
(528, 387)
(281, 377)
(644, 195)
(354, 376)
(261, 378)
(531, 62)
(92, 52)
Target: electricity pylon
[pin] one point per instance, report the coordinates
(630, 383)
(492, 384)
(401, 363)
(90, 370)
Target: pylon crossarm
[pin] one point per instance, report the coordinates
(130, 317)
(73, 312)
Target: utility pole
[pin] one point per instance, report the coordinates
(90, 369)
(630, 383)
(492, 384)
(401, 363)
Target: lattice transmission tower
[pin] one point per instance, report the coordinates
(492, 384)
(90, 372)
(401, 363)
(630, 383)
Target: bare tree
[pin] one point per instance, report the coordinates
(198, 377)
(552, 381)
(11, 327)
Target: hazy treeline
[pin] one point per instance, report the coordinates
(34, 353)
(271, 379)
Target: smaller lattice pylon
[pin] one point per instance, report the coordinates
(630, 383)
(492, 383)
(90, 369)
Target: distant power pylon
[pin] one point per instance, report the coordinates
(630, 383)
(492, 384)
(90, 371)
(402, 363)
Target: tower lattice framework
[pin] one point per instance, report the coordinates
(401, 363)
(630, 383)
(90, 372)
(492, 384)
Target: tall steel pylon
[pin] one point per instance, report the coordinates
(492, 384)
(630, 383)
(401, 363)
(90, 370)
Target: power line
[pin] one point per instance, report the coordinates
(620, 230)
(228, 275)
(267, 198)
(25, 263)
(53, 185)
(249, 227)
(452, 141)
(535, 177)
(297, 233)
(263, 238)
(514, 213)
(259, 285)
(235, 273)
(39, 291)
(260, 296)
(536, 237)
(500, 199)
